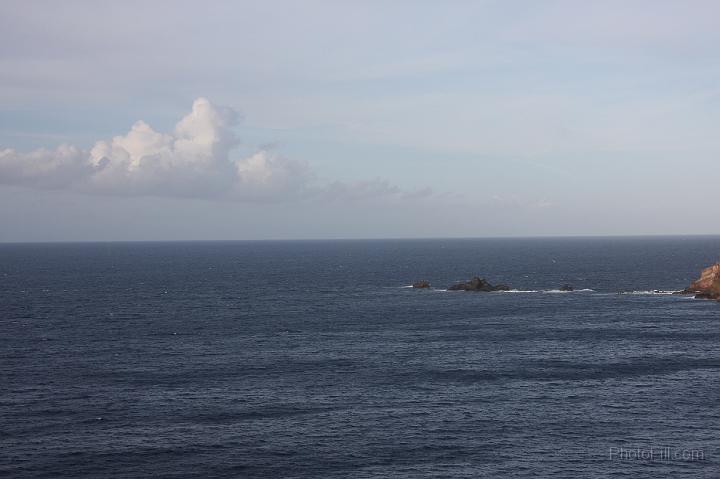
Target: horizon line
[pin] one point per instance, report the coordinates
(392, 238)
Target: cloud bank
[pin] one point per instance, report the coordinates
(194, 160)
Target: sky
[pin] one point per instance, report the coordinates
(173, 120)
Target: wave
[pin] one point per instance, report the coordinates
(410, 286)
(650, 292)
(640, 292)
(555, 291)
(547, 291)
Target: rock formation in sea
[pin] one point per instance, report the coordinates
(478, 284)
(707, 286)
(566, 287)
(422, 284)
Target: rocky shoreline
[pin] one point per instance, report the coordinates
(707, 286)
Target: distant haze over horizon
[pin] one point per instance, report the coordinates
(164, 120)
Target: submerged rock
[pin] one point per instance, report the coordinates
(707, 286)
(478, 284)
(422, 284)
(566, 287)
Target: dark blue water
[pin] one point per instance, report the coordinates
(309, 359)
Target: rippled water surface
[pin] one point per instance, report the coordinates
(311, 359)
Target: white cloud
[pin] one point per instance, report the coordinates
(192, 161)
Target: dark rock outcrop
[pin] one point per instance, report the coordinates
(478, 284)
(566, 287)
(707, 286)
(422, 284)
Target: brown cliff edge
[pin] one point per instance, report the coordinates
(707, 286)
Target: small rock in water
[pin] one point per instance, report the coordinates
(478, 284)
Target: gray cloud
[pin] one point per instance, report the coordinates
(43, 168)
(194, 160)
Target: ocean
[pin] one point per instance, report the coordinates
(313, 359)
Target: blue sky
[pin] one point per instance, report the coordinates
(357, 119)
